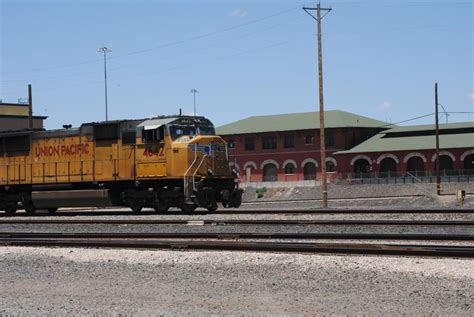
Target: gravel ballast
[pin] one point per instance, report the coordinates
(40, 281)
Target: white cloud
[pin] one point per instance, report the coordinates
(471, 96)
(386, 105)
(238, 13)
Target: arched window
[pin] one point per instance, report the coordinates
(362, 166)
(330, 167)
(309, 170)
(388, 167)
(469, 163)
(415, 165)
(270, 173)
(289, 168)
(445, 163)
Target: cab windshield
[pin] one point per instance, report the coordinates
(177, 131)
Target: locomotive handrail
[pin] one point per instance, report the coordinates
(197, 169)
(185, 183)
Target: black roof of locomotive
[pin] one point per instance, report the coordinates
(85, 128)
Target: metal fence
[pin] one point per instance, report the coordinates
(447, 176)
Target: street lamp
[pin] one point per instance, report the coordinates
(194, 91)
(105, 50)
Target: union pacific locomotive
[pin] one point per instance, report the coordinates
(169, 161)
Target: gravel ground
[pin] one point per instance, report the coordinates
(357, 191)
(110, 282)
(49, 281)
(107, 228)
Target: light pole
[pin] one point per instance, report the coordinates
(194, 91)
(105, 50)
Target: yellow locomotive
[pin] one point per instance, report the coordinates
(169, 161)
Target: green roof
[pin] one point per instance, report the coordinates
(298, 121)
(431, 127)
(380, 143)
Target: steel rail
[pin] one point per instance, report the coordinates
(212, 222)
(248, 211)
(382, 197)
(334, 199)
(238, 235)
(312, 248)
(345, 211)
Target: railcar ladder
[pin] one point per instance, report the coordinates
(190, 175)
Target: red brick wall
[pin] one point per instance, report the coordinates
(343, 139)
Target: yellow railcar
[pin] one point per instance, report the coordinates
(174, 161)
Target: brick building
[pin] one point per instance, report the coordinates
(412, 149)
(14, 116)
(286, 147)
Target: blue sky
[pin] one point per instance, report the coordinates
(381, 58)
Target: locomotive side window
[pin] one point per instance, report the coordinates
(106, 131)
(154, 135)
(16, 144)
(129, 137)
(178, 131)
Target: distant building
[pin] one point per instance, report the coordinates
(286, 147)
(14, 116)
(412, 149)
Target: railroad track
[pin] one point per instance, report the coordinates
(337, 248)
(211, 222)
(383, 197)
(5, 236)
(115, 212)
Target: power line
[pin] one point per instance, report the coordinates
(205, 35)
(408, 120)
(208, 47)
(249, 34)
(398, 4)
(174, 43)
(182, 66)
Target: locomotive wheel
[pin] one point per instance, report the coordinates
(11, 208)
(52, 210)
(29, 207)
(161, 206)
(213, 208)
(188, 208)
(135, 205)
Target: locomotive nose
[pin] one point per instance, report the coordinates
(211, 151)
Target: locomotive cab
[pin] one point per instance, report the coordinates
(186, 149)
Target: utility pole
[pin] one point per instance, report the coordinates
(30, 107)
(105, 50)
(438, 177)
(324, 182)
(194, 91)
